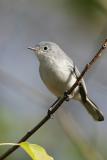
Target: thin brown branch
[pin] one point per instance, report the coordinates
(57, 103)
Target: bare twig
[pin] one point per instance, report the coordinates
(57, 103)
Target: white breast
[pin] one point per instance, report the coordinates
(57, 78)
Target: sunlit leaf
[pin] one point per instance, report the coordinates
(35, 151)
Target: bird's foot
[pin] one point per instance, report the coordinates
(67, 96)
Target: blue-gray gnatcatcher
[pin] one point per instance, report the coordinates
(59, 73)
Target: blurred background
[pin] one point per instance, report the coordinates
(79, 27)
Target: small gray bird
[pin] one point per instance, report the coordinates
(59, 73)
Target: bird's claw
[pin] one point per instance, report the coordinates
(67, 96)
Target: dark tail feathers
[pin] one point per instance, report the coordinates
(93, 110)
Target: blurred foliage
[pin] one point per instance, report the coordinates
(88, 9)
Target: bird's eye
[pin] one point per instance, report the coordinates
(45, 48)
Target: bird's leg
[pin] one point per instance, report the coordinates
(68, 97)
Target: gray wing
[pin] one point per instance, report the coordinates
(82, 86)
(76, 73)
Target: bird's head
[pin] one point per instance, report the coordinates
(47, 50)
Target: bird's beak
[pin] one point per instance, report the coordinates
(32, 49)
(35, 49)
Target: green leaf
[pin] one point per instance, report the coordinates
(35, 151)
